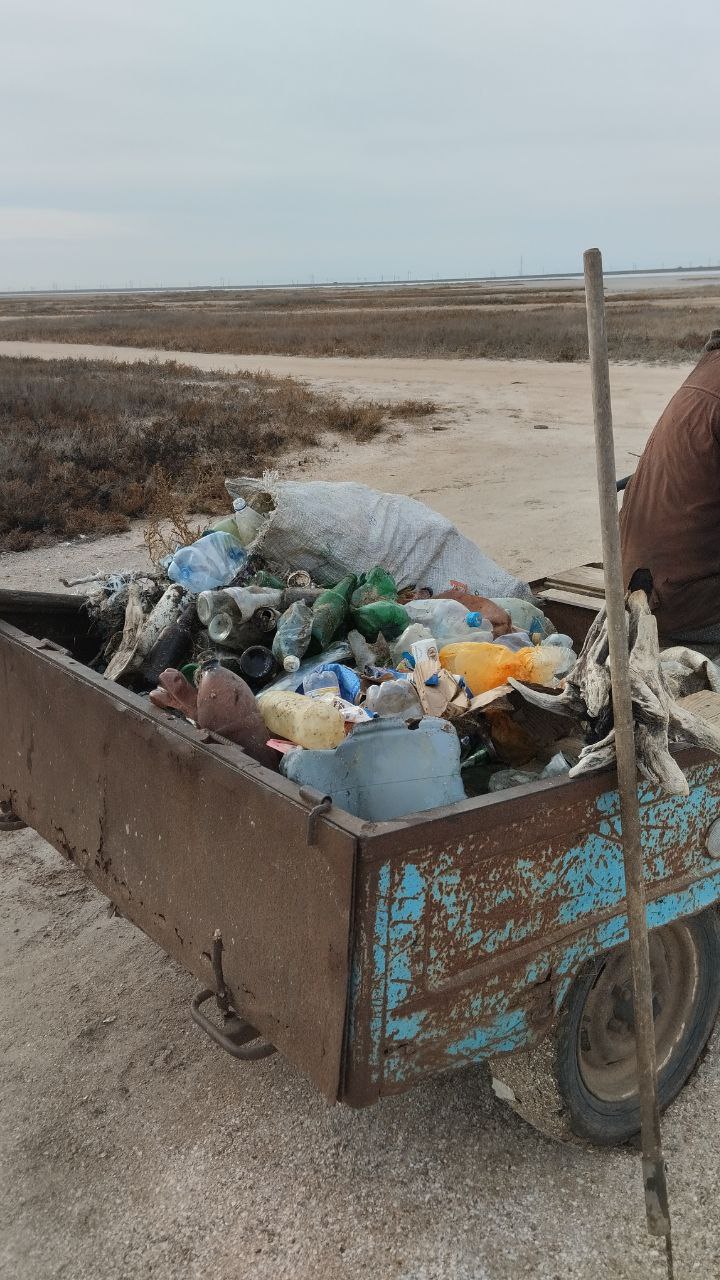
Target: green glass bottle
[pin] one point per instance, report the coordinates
(264, 579)
(330, 610)
(380, 615)
(376, 584)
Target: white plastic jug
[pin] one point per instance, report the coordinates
(310, 722)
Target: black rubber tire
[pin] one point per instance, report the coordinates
(611, 1122)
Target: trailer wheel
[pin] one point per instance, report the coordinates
(582, 1082)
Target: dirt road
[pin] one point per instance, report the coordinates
(131, 1148)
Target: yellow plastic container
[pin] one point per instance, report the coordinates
(485, 666)
(310, 722)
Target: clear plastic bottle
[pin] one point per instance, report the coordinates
(515, 640)
(525, 615)
(292, 638)
(210, 562)
(394, 698)
(485, 666)
(248, 521)
(321, 684)
(410, 636)
(563, 645)
(448, 620)
(310, 722)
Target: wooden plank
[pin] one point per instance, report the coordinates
(558, 596)
(585, 578)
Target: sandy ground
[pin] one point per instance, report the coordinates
(130, 1147)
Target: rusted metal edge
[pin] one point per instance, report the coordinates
(173, 726)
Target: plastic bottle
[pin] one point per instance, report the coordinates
(449, 621)
(210, 562)
(563, 645)
(321, 683)
(292, 637)
(514, 640)
(248, 522)
(226, 705)
(394, 698)
(330, 609)
(347, 681)
(293, 680)
(382, 615)
(410, 636)
(225, 524)
(525, 615)
(310, 722)
(368, 655)
(485, 666)
(376, 584)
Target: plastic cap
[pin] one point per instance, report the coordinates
(239, 504)
(291, 663)
(474, 620)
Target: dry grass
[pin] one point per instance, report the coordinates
(87, 446)
(430, 320)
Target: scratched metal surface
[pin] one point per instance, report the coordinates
(467, 940)
(186, 838)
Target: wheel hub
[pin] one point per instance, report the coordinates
(606, 1040)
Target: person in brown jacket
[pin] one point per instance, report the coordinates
(670, 518)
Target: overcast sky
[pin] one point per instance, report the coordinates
(167, 142)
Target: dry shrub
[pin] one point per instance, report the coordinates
(87, 446)
(412, 409)
(167, 527)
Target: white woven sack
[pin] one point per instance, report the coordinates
(334, 529)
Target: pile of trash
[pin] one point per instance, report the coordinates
(381, 682)
(326, 630)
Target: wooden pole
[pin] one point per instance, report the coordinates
(653, 1164)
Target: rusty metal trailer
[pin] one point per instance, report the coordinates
(369, 954)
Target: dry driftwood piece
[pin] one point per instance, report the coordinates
(656, 680)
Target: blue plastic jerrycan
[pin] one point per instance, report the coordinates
(384, 769)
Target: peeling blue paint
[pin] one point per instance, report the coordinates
(437, 919)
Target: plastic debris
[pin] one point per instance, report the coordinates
(361, 683)
(385, 770)
(212, 561)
